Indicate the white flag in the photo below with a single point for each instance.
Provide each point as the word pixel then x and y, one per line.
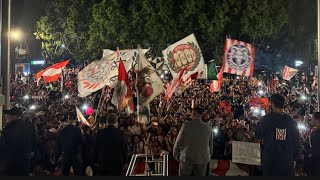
pixel 184 54
pixel 149 84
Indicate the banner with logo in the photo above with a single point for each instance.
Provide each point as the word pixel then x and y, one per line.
pixel 103 72
pixel 184 54
pixel 246 153
pixel 260 102
pixel 238 58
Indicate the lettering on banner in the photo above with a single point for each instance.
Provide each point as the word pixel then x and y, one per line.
pixel 246 153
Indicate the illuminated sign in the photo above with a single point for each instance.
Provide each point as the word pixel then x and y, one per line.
pixel 39 62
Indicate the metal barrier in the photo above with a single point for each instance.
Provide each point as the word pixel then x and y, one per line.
pixel 154 165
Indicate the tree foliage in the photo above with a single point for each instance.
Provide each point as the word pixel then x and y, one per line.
pixel 88 26
pixel 64 28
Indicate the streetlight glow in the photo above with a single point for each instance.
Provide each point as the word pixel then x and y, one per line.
pixel 16 34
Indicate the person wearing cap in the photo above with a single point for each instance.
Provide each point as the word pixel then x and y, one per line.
pixel 193 146
pixel 69 143
pixel 280 136
pixel 111 149
pixel 20 138
pixel 315 146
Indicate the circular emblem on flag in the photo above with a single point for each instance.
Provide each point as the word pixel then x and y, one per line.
pixel 239 57
pixel 184 55
pixel 96 73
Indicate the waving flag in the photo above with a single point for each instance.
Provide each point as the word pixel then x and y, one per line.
pixel 174 84
pixel 238 58
pixel 52 73
pixel 184 54
pixel 216 85
pixel 212 71
pixel 104 72
pixel 289 72
pixel 123 94
pixel 149 84
pixel 186 83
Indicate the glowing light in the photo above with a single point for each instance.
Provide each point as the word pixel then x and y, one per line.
pixel 67 96
pixel 302 127
pixel 260 92
pixel 259 83
pixel 304 97
pixel 16 34
pixel 215 130
pixel 26 97
pixel 32 107
pixel 161 76
pixel 166 72
pixel 85 106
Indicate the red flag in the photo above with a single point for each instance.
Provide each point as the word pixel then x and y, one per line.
pixel 174 84
pixel 238 58
pixel 215 86
pixel 52 73
pixel 288 73
pixel 123 94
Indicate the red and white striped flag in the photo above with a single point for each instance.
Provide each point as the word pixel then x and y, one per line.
pixel 186 82
pixel 289 72
pixel 52 73
pixel 238 58
pixel 174 84
pixel 215 86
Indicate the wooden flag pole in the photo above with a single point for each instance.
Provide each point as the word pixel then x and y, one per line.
pixel 98 108
pixel 136 85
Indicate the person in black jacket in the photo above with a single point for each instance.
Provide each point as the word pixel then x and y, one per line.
pixel 70 142
pixel 281 140
pixel 88 149
pixel 315 146
pixel 20 139
pixel 111 148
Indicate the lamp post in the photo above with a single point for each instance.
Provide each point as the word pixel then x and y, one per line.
pixel 318 53
pixel 5 20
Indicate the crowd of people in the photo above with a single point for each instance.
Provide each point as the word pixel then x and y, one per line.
pixel 50 111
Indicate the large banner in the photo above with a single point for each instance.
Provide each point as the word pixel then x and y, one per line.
pixel 103 72
pixel 185 53
pixel 238 58
pixel 260 102
pixel 246 153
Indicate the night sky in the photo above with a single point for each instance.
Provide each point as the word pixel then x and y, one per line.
pixel 24 16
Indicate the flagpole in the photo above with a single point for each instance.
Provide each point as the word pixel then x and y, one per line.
pixel 61 83
pixel 98 108
pixel 136 85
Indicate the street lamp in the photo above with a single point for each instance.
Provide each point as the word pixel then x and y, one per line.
pixel 16 34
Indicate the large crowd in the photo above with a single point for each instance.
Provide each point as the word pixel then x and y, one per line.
pixel 48 107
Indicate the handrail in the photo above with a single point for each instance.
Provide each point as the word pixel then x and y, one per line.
pixel 162 161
